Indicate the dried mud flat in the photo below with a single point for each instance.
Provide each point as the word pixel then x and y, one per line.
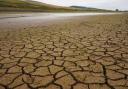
pixel 77 54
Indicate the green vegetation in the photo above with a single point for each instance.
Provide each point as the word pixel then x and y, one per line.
pixel 88 8
pixel 29 5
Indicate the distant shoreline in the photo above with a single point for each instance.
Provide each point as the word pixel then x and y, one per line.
pixel 26 20
pixel 32 14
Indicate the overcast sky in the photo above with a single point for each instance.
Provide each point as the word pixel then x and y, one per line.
pixel 105 4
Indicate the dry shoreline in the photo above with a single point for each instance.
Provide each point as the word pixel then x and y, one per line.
pixel 85 52
pixel 26 20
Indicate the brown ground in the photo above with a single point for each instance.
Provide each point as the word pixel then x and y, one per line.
pixel 76 54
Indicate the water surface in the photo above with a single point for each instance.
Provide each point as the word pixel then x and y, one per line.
pixel 36 19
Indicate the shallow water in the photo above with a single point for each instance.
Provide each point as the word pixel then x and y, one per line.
pixel 37 19
pixel 49 15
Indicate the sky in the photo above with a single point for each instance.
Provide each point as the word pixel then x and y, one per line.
pixel 103 4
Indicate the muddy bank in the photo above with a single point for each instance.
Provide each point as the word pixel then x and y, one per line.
pixel 24 20
pixel 76 53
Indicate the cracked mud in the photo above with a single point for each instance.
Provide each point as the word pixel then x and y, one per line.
pixel 82 54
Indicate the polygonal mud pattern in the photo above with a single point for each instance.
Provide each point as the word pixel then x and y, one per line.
pixel 77 55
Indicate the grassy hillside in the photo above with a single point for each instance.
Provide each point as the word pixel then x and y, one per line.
pixel 88 8
pixel 29 5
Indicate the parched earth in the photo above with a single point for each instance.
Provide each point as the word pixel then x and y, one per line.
pixel 78 54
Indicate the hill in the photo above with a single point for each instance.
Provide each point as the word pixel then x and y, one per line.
pixel 30 5
pixel 82 8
